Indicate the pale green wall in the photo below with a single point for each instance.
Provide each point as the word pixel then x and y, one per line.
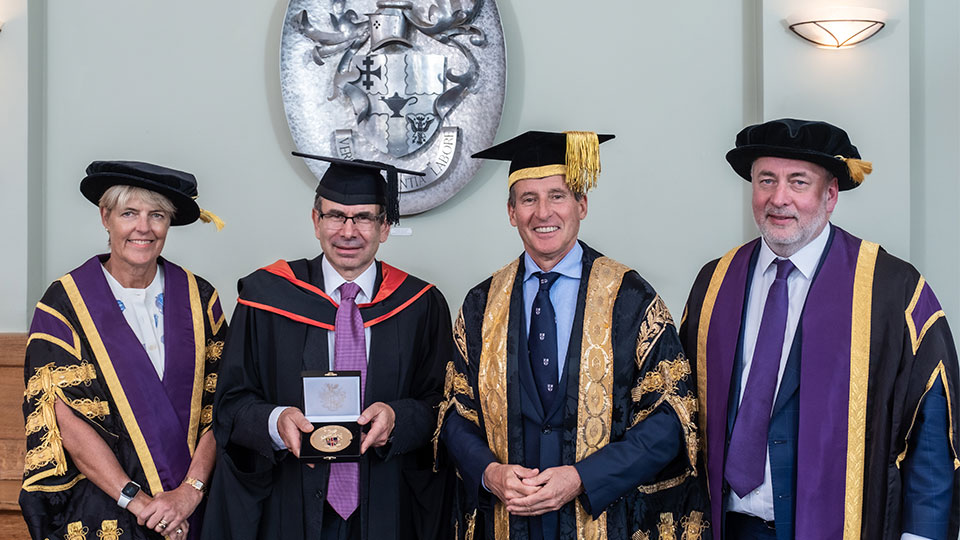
pixel 195 85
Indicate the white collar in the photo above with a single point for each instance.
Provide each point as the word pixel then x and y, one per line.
pixel 805 260
pixel 332 280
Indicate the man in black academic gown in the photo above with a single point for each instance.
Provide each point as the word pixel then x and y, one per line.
pixel 827 369
pixel 569 409
pixel 292 317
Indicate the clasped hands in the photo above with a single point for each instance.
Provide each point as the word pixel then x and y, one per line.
pixel 379 415
pixel 169 509
pixel 529 492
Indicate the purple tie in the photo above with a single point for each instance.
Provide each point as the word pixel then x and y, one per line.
pixel 349 354
pixel 747 453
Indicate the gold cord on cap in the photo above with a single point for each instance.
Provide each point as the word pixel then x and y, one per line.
pixel 859 169
pixel 207 216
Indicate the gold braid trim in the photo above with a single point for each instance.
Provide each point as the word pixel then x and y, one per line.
pixel 595 398
pixel 667 527
pixel 91 408
pixel 655 320
pixel 471 525
pixel 663 379
pixel 46 377
pixel 45 386
pixel 492 377
pixel 109 530
pixel 460 337
pixel 640 535
pixel 450 393
pixel 206 414
pixel 214 350
pixel 35 421
pixel 210 383
pixel 666 484
pixel 693 526
pixel 76 531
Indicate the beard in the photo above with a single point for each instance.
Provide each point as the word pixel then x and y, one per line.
pixel 787 240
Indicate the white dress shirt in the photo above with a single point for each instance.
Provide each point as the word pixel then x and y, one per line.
pixel 143 311
pixel 759 502
pixel 332 280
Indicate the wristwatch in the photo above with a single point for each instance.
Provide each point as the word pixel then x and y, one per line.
pixel 127 494
pixel 195 484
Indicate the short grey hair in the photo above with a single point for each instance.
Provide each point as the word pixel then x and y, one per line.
pixel 121 194
pixel 512 197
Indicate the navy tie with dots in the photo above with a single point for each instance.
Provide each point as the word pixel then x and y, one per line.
pixel 542 341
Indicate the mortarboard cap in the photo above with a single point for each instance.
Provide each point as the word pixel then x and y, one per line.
pixel 537 154
pixel 361 182
pixel 816 142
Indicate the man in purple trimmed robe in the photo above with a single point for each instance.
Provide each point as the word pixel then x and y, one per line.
pixel 827 372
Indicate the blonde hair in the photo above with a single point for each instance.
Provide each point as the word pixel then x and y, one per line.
pixel 120 195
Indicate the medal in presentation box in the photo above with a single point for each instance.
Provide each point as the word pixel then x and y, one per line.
pixel 331 402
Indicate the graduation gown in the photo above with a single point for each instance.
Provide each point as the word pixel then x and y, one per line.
pixel 82 351
pixel 279 330
pixel 873 342
pixel 627 422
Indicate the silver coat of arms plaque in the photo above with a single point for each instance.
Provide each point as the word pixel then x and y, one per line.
pixel 418 84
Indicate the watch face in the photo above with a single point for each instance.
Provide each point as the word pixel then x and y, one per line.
pixel 130 490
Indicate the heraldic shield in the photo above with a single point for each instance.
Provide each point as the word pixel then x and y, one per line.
pixel 401 93
pixel 415 83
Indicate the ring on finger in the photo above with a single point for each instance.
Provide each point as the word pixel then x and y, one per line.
pixel 179 530
pixel 163 524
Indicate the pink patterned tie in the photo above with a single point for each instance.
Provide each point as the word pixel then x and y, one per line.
pixel 349 354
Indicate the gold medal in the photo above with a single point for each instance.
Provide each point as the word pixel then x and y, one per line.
pixel 331 438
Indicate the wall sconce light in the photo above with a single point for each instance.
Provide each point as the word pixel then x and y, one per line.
pixel 837 27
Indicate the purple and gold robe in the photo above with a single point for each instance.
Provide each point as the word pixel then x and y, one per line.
pixel 874 341
pixel 82 351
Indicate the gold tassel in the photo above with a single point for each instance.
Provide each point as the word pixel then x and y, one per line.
pixel 859 169
pixel 207 216
pixel 583 160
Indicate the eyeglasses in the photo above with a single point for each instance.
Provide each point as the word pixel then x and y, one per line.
pixel 363 221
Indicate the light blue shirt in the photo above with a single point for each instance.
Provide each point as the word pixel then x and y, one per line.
pixel 563 296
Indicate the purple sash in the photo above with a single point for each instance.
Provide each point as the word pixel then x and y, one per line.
pixel 160 410
pixel 824 385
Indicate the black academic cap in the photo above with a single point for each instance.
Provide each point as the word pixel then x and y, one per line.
pixel 361 182
pixel 537 154
pixel 807 140
pixel 177 186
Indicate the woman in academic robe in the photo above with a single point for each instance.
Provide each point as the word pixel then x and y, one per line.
pixel 121 368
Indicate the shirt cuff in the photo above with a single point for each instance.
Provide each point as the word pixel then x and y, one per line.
pixel 909 536
pixel 275 439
